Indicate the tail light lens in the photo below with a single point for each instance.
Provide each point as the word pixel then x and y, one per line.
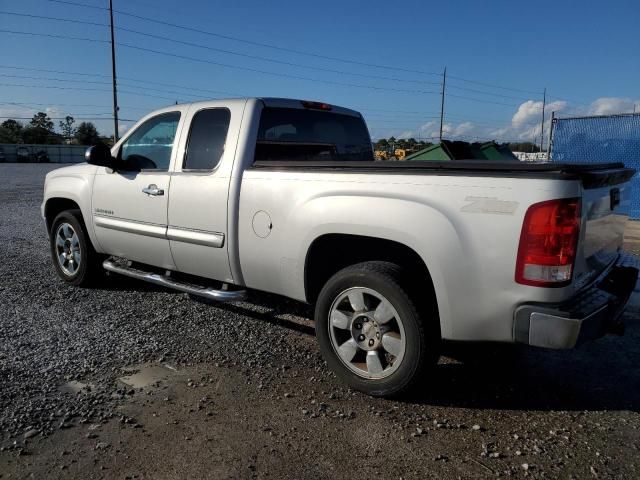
pixel 548 243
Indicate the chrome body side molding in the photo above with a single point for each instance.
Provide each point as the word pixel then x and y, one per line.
pixel 178 234
pixel 198 237
pixel 139 228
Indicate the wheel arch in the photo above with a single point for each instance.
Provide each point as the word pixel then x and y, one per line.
pixel 56 205
pixel 332 252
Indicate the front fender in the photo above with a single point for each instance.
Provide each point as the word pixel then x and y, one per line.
pixel 75 186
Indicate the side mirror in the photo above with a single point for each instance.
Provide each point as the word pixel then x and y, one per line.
pixel 100 155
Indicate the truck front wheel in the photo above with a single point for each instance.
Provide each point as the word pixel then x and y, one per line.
pixel 370 330
pixel 74 258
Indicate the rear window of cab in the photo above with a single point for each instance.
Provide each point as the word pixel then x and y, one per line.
pixel 296 134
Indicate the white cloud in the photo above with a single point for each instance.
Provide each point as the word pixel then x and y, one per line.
pixel 524 124
pixel 612 105
pixel 123 128
pixel 531 111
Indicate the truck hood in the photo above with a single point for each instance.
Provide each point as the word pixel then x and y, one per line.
pixel 72 170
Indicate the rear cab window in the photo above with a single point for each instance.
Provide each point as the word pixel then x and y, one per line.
pixel 302 134
pixel 207 138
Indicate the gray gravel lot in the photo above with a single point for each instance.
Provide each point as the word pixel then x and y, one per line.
pixel 132 381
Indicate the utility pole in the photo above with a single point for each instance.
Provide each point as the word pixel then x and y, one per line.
pixel 544 102
pixel 113 76
pixel 551 125
pixel 444 83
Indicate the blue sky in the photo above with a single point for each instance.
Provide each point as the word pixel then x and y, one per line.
pixel 584 52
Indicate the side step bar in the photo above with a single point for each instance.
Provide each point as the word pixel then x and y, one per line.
pixel 166 281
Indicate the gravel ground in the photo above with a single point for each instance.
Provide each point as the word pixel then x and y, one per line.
pixel 132 381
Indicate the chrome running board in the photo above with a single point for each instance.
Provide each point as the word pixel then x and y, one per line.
pixel 166 281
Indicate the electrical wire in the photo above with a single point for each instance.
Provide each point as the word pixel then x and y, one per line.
pixel 250 42
pixel 225 65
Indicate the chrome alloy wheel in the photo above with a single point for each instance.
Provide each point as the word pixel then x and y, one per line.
pixel 366 333
pixel 68 249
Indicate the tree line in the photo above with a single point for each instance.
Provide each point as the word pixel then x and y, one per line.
pixel 41 130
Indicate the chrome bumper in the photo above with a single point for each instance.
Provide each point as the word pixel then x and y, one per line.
pixel 592 313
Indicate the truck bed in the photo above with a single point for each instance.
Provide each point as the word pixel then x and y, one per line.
pixel 591 174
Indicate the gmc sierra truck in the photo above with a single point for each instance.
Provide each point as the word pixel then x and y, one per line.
pixel 214 198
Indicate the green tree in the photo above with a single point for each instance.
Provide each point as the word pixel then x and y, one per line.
pixel 40 130
pixel 67 128
pixel 87 134
pixel 42 120
pixel 11 131
pixel 382 144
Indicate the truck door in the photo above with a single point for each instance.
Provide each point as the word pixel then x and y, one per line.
pixel 129 206
pixel 197 221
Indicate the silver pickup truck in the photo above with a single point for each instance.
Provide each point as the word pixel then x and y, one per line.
pixel 216 197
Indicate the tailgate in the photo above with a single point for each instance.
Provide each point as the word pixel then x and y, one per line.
pixel 605 209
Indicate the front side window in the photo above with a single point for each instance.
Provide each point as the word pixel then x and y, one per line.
pixel 149 146
pixel 297 134
pixel 207 137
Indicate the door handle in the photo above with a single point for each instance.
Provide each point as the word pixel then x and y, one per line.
pixel 153 190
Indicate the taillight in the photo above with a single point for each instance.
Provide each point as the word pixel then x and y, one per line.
pixel 548 243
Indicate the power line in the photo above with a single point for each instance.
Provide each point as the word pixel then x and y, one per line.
pixel 64 118
pixel 482 100
pixel 280 62
pixel 229 52
pixel 250 42
pixel 284 75
pixel 54 79
pixel 145 82
pixel 237 67
pixel 488 93
pixel 50 35
pixel 101 83
pixel 58 19
pixel 57 87
pixel 300 52
pixel 491 85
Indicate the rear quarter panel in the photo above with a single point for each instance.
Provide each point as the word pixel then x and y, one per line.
pixel 466 230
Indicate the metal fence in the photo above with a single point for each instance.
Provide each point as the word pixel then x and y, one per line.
pixel 10 152
pixel 597 139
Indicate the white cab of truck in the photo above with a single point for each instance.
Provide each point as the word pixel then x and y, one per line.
pixel 220 197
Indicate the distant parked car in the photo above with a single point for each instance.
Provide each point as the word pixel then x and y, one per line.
pixel 41 156
pixel 2 157
pixel 22 154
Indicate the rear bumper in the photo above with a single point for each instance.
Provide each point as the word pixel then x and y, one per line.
pixel 592 313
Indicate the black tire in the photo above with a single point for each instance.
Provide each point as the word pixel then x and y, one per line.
pixel 89 271
pixel 422 331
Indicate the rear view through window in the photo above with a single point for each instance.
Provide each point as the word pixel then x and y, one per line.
pixel 294 134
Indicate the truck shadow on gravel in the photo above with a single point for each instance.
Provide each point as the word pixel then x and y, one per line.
pixel 271 309
pixel 602 375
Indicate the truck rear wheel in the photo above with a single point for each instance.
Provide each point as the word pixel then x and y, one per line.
pixel 74 258
pixel 370 330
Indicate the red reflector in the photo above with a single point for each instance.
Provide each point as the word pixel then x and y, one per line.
pixel 548 243
pixel 316 105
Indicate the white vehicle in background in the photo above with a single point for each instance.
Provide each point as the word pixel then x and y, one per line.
pixel 217 197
